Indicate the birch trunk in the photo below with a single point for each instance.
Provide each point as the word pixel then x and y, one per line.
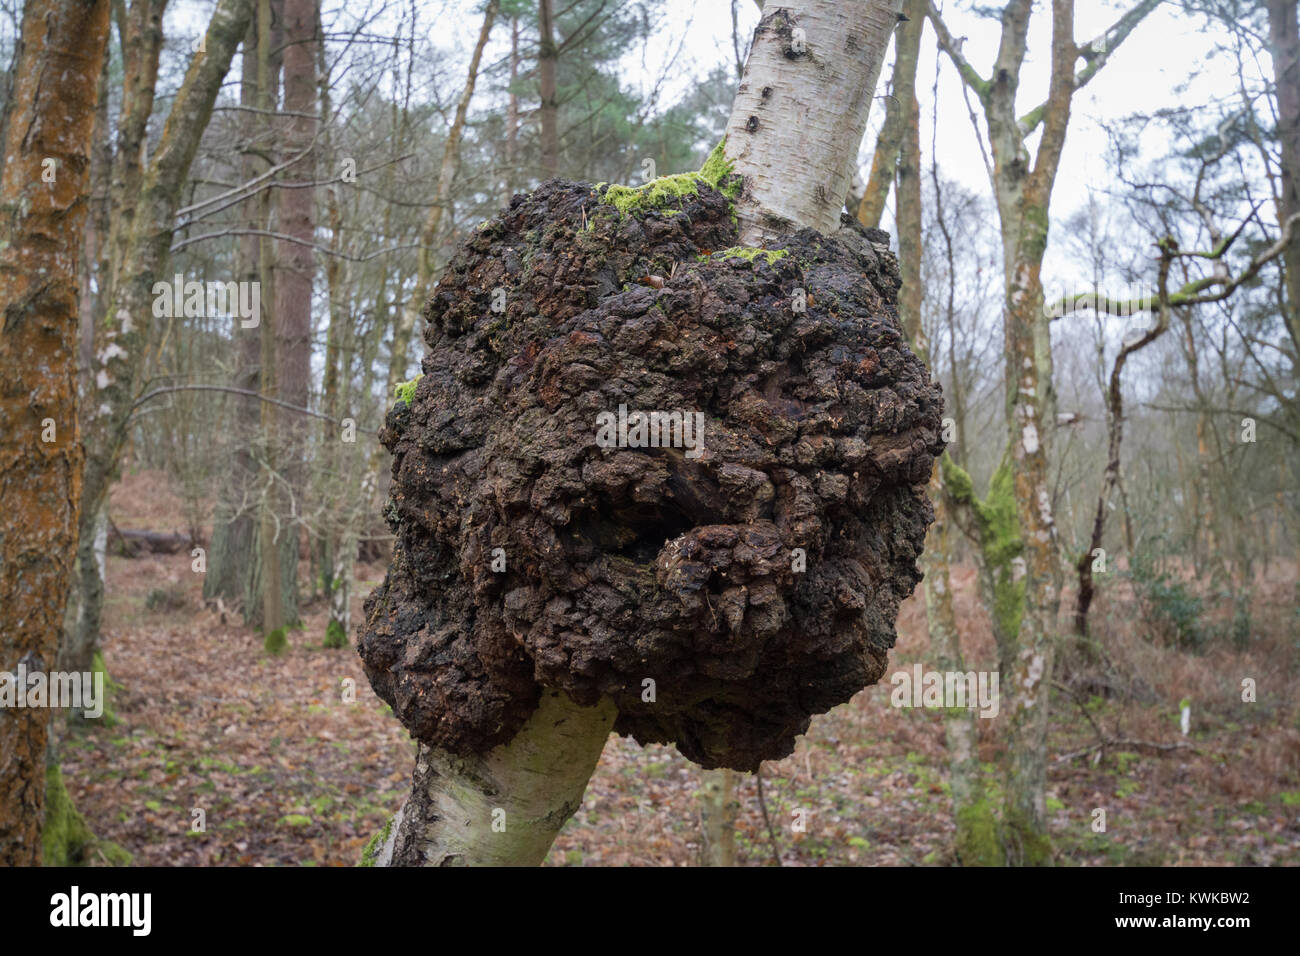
pixel 801 111
pixel 503 808
pixel 717 796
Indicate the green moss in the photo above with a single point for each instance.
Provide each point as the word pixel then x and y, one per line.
pixel 335 635
pixel 276 642
pixel 977 836
pixel 371 851
pixel 1000 540
pixel 1002 545
pixel 667 192
pixel 108 718
pixel 956 480
pixel 65 837
pixel 750 253
pixel 720 173
pixel 406 390
pixel 1026 841
pixel 656 194
pixel 66 840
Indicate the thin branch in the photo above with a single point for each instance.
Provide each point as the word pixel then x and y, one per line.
pixel 762 805
pixel 246 392
pixel 324 250
pixel 970 76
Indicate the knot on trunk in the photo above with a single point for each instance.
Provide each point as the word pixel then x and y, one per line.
pixel 687 477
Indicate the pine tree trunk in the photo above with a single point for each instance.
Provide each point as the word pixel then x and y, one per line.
pixel 48 133
pixel 230 555
pixel 548 113
pixel 295 266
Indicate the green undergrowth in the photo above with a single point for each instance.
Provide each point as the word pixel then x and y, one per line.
pixel 276 642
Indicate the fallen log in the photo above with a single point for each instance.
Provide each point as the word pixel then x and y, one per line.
pixel 129 543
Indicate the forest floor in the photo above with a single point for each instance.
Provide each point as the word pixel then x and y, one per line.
pixel 288 772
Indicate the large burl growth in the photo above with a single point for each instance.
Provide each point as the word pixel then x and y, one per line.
pixel 756 584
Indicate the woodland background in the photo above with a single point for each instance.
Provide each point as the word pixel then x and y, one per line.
pixel 226 541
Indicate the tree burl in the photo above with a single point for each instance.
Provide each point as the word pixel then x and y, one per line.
pixel 755 583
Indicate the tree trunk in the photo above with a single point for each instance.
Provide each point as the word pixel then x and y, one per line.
pixel 541 773
pixel 1284 43
pixel 977 842
pixel 51 119
pixel 123 332
pixel 817 60
pixel 977 839
pixel 295 270
pixel 232 525
pixel 884 161
pixel 140 29
pixel 717 798
pixel 506 807
pixel 548 113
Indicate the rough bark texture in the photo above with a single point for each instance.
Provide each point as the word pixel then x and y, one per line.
pixel 295 271
pixel 57 68
pixel 631 564
pixel 801 110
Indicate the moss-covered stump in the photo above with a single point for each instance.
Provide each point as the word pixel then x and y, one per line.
pixel 66 840
pixel 276 642
pixel 719 592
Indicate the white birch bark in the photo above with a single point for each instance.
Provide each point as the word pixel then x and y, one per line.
pixel 801 111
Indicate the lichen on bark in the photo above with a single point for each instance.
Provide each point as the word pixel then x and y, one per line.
pixel 748 588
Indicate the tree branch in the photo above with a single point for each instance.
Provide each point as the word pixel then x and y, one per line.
pixel 241 391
